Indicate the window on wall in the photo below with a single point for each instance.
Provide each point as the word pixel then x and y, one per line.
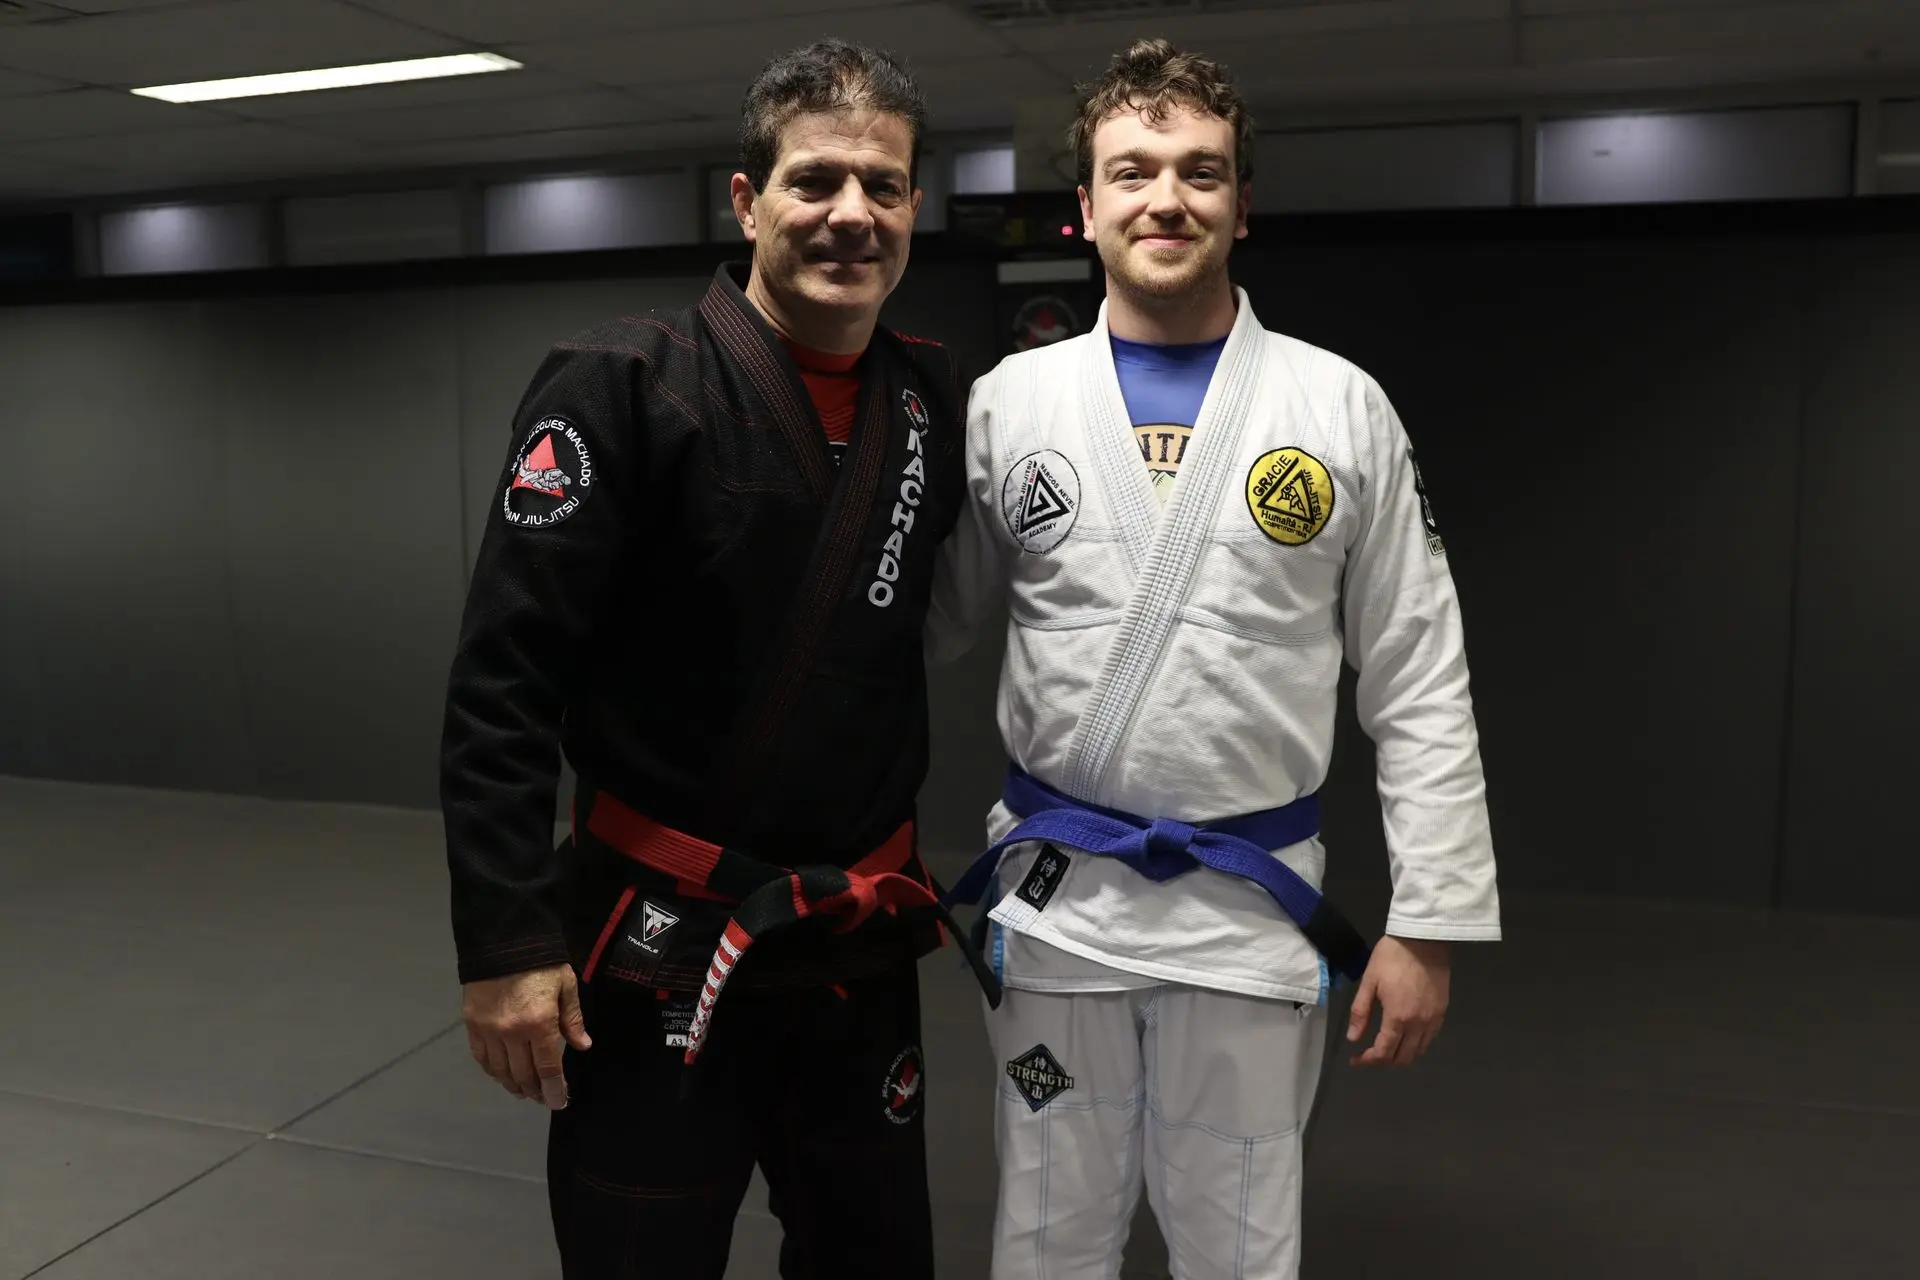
pixel 1467 165
pixel 163 239
pixel 1758 154
pixel 1899 158
pixel 569 214
pixel 983 171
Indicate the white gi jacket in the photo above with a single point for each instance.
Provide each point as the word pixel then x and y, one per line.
pixel 1185 663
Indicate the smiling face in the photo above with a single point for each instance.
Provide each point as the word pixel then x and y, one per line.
pixel 832 226
pixel 1162 205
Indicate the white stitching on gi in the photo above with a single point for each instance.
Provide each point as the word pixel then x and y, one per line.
pixel 1246 1196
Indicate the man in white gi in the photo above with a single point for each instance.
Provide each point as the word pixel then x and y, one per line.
pixel 1193 522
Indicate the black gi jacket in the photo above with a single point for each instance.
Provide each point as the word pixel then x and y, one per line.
pixel 678 588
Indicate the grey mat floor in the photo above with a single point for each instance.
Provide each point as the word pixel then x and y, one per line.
pixel 229 1047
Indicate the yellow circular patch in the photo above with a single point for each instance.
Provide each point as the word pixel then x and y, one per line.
pixel 1290 493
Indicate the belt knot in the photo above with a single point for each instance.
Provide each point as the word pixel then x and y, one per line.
pixel 1168 838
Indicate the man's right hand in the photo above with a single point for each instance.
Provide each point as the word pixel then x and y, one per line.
pixel 515 1027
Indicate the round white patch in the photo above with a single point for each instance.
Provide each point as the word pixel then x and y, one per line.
pixel 1040 498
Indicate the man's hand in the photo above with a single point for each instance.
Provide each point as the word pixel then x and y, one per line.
pixel 515 1026
pixel 1409 977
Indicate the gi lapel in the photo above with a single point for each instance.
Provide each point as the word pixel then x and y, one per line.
pixel 1116 458
pixel 752 342
pixel 849 500
pixel 1165 551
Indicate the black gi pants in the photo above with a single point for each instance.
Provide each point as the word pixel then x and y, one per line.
pixel 823 1088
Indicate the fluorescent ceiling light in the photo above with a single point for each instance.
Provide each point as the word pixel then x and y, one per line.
pixel 459 64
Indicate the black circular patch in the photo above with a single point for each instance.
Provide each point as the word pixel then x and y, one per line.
pixel 905 1092
pixel 552 476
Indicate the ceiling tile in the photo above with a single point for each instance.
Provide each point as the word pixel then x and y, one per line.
pixel 1838 26
pixel 78 112
pixel 631 144
pixel 694 55
pixel 213 41
pixel 1359 53
pixel 598 107
pixel 18 83
pixel 968 88
pixel 30 177
pixel 92 7
pixel 496 21
pixel 1531 8
pixel 715 99
pixel 1007 77
pixel 188 149
pixel 1249 34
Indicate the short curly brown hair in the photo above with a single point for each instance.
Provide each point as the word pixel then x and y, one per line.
pixel 1153 77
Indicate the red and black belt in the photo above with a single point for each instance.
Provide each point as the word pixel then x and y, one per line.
pixel 767 897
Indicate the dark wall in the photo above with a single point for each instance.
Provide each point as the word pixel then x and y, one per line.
pixel 242 523
pixel 1671 472
pixel 1608 433
pixel 1855 698
pixel 1670 463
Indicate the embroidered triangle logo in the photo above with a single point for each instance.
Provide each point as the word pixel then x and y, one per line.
pixel 657 922
pixel 541 471
pixel 1043 502
pixel 1290 496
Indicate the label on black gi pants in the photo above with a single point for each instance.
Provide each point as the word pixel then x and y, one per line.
pixel 643 940
pixel 676 1018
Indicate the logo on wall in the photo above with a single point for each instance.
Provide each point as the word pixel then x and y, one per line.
pixel 1039 499
pixel 1043 321
pixel 1290 493
pixel 552 476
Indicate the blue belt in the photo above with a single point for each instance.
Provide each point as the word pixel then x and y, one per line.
pixel 1162 849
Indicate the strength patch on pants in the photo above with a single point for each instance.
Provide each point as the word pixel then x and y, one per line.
pixel 1039 1076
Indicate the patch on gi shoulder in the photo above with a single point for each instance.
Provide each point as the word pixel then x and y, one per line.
pixel 1044 878
pixel 1290 493
pixel 1040 498
pixel 905 1092
pixel 916 411
pixel 552 476
pixel 1039 1076
pixel 1434 545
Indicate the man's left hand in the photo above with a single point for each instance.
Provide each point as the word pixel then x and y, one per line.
pixel 1409 977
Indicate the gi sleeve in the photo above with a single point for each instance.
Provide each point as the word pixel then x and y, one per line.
pixel 1405 639
pixel 970 579
pixel 553 546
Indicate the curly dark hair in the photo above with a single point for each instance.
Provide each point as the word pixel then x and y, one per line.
pixel 1153 77
pixel 828 75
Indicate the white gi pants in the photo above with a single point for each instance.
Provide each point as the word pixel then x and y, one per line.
pixel 1202 1096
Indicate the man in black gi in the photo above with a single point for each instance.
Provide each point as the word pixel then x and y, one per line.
pixel 704 576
